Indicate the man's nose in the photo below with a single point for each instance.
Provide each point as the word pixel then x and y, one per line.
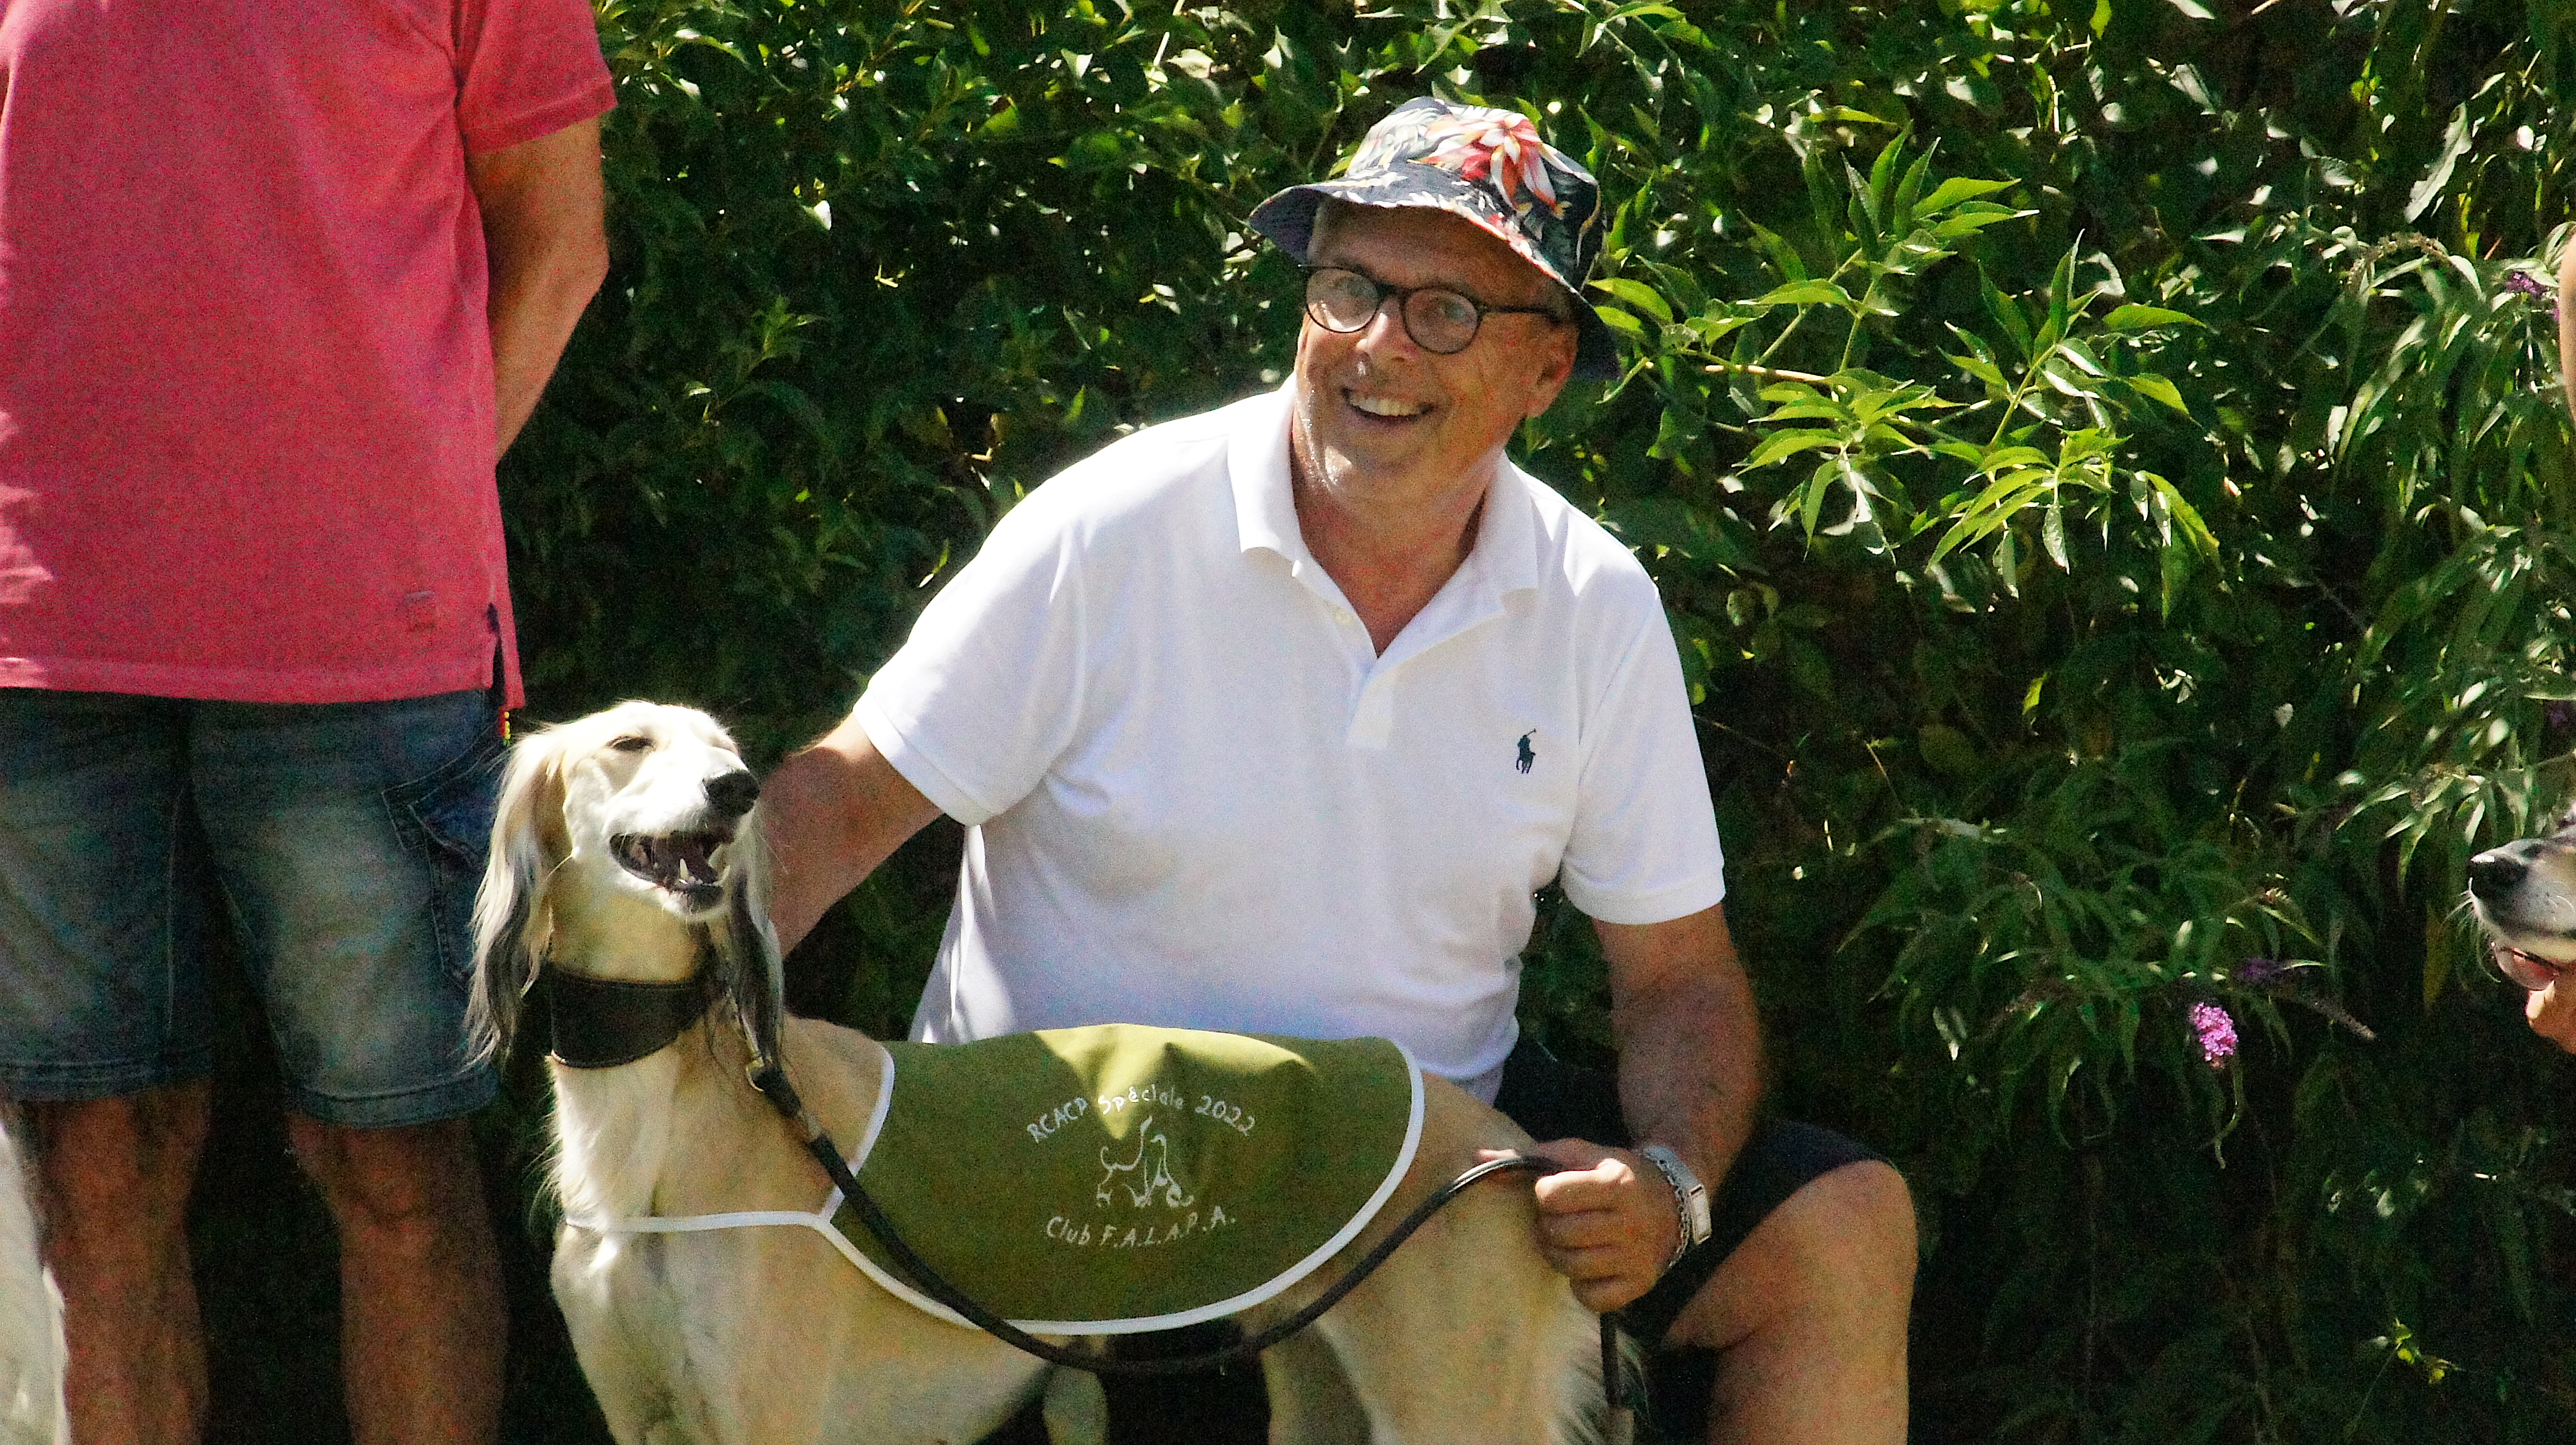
pixel 1387 327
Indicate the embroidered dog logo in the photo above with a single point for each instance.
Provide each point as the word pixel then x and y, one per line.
pixel 1528 759
pixel 1148 1174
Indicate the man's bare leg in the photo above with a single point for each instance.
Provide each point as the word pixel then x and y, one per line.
pixel 1809 1315
pixel 422 1321
pixel 113 1177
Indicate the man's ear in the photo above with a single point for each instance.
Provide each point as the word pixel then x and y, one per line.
pixel 1555 363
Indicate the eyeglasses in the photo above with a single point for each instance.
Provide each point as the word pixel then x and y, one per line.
pixel 1440 321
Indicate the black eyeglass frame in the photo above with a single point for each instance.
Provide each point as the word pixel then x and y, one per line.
pixel 1404 308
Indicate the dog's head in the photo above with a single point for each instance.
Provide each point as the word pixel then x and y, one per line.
pixel 2524 896
pixel 626 824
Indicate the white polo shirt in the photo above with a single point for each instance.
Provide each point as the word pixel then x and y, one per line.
pixel 1198 797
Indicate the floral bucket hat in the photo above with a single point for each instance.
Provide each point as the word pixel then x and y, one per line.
pixel 1488 166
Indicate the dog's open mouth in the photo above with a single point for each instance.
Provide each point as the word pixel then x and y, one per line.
pixel 683 863
pixel 2527 970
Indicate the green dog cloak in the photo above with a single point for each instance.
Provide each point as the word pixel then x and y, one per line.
pixel 1118 1178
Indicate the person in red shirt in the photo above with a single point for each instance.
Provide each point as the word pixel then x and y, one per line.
pixel 277 285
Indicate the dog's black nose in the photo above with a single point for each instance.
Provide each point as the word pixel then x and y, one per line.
pixel 733 794
pixel 2493 874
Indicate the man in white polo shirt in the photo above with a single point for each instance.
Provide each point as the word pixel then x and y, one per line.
pixel 1276 718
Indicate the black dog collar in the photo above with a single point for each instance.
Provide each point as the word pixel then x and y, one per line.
pixel 600 1023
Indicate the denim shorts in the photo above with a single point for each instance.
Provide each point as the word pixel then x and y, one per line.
pixel 344 841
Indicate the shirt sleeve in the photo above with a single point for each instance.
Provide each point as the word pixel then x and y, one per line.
pixel 1644 847
pixel 981 699
pixel 526 68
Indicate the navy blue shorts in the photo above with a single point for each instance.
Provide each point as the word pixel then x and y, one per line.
pixel 344 841
pixel 1552 1100
pixel 1557 1100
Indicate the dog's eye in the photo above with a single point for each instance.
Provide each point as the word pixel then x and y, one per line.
pixel 633 743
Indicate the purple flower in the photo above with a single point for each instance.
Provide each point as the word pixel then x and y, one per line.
pixel 2259 972
pixel 2216 1033
pixel 2526 284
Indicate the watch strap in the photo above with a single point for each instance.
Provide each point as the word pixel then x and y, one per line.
pixel 1690 1198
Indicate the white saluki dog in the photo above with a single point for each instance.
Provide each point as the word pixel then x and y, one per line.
pixel 31 1319
pixel 2524 896
pixel 625 849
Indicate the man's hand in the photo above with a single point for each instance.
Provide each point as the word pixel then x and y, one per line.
pixel 2552 1012
pixel 1605 1222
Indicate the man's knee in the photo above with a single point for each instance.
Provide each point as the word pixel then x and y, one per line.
pixel 131 1157
pixel 415 1182
pixel 1860 1221
pixel 1838 1255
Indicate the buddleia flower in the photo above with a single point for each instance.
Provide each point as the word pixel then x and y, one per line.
pixel 2215 1031
pixel 2523 283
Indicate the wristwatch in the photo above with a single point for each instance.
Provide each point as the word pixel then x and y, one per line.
pixel 1690 1198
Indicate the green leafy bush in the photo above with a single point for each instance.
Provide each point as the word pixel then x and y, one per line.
pixel 2109 486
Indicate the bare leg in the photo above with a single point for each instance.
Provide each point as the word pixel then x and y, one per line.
pixel 1808 1316
pixel 422 1323
pixel 114 1176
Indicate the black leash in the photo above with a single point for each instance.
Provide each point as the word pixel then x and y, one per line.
pixel 771 1081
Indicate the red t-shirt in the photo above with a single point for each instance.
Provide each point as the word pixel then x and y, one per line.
pixel 246 430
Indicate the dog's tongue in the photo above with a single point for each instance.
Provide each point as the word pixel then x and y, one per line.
pixel 2528 970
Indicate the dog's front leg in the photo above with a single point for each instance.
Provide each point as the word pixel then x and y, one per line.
pixel 1310 1397
pixel 604 1290
pixel 1076 1409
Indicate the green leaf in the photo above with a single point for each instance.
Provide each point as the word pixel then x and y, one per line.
pixel 1809 293
pixel 1618 320
pixel 2134 317
pixel 1947 750
pixel 2007 313
pixel 1789 443
pixel 1637 294
pixel 2161 389
pixel 1961 188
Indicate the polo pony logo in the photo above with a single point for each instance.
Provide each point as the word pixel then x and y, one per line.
pixel 1147 1175
pixel 1528 759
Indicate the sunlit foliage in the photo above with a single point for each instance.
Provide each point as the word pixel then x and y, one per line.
pixel 2110 488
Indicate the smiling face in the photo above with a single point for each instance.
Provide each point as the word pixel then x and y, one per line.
pixel 653 800
pixel 1377 416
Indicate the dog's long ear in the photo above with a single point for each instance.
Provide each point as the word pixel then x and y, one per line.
pixel 755 978
pixel 512 924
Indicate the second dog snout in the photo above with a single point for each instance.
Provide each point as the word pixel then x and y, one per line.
pixel 2494 873
pixel 733 793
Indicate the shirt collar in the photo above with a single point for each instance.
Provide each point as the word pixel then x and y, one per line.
pixel 1265 504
